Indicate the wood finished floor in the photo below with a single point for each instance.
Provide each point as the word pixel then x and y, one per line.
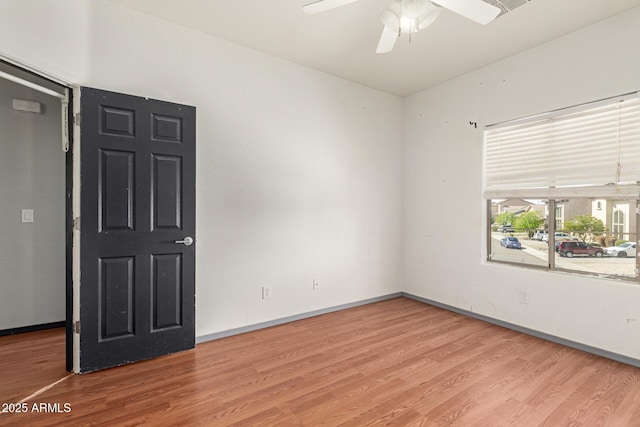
pixel 398 362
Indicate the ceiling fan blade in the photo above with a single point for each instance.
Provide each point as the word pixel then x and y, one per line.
pixel 322 5
pixel 476 10
pixel 387 40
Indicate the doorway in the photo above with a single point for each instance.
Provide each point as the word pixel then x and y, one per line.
pixel 35 213
pixel 138 227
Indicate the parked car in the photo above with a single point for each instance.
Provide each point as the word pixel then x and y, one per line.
pixel 570 248
pixel 539 234
pixel 510 242
pixel 623 250
pixel 558 236
pixel 557 244
pixel 506 228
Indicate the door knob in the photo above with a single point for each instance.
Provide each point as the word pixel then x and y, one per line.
pixel 188 241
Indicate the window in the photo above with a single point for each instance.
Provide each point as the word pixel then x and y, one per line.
pixel 559 217
pixel 618 223
pixel 562 189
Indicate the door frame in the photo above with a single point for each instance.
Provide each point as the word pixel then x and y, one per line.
pixel 72 215
pixel 72 181
pixel 68 244
pixel 73 249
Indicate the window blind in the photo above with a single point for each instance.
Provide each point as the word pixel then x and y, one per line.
pixel 589 150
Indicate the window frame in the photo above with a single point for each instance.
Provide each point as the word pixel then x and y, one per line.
pixel 528 158
pixel 551 264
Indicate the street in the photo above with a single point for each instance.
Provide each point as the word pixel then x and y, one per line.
pixel 535 252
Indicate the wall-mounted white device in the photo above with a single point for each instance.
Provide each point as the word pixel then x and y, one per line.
pixel 28 106
pixel 27 215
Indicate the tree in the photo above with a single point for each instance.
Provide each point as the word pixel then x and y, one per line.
pixel 585 226
pixel 505 218
pixel 529 221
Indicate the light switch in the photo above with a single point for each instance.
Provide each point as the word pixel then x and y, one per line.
pixel 27 215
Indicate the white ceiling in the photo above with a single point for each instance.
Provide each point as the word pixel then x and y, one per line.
pixel 342 41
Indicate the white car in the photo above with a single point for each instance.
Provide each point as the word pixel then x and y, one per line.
pixel 624 250
pixel 539 234
pixel 558 236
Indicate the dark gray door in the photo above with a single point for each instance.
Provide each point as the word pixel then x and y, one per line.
pixel 137 291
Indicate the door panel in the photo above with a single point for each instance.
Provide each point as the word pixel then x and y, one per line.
pixel 116 293
pixel 137 291
pixel 115 186
pixel 167 204
pixel 166 300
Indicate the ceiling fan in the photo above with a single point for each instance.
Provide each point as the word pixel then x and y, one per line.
pixel 410 16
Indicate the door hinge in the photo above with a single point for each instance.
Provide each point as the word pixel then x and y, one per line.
pixel 76 327
pixel 76 223
pixel 76 119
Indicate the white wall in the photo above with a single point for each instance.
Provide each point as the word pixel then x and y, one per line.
pixel 32 176
pixel 298 172
pixel 48 36
pixel 444 211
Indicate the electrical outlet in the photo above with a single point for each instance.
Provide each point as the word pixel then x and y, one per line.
pixel 524 297
pixel 316 285
pixel 266 292
pixel 27 215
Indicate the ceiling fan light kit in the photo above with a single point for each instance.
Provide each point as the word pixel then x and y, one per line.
pixel 410 16
pixel 405 17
